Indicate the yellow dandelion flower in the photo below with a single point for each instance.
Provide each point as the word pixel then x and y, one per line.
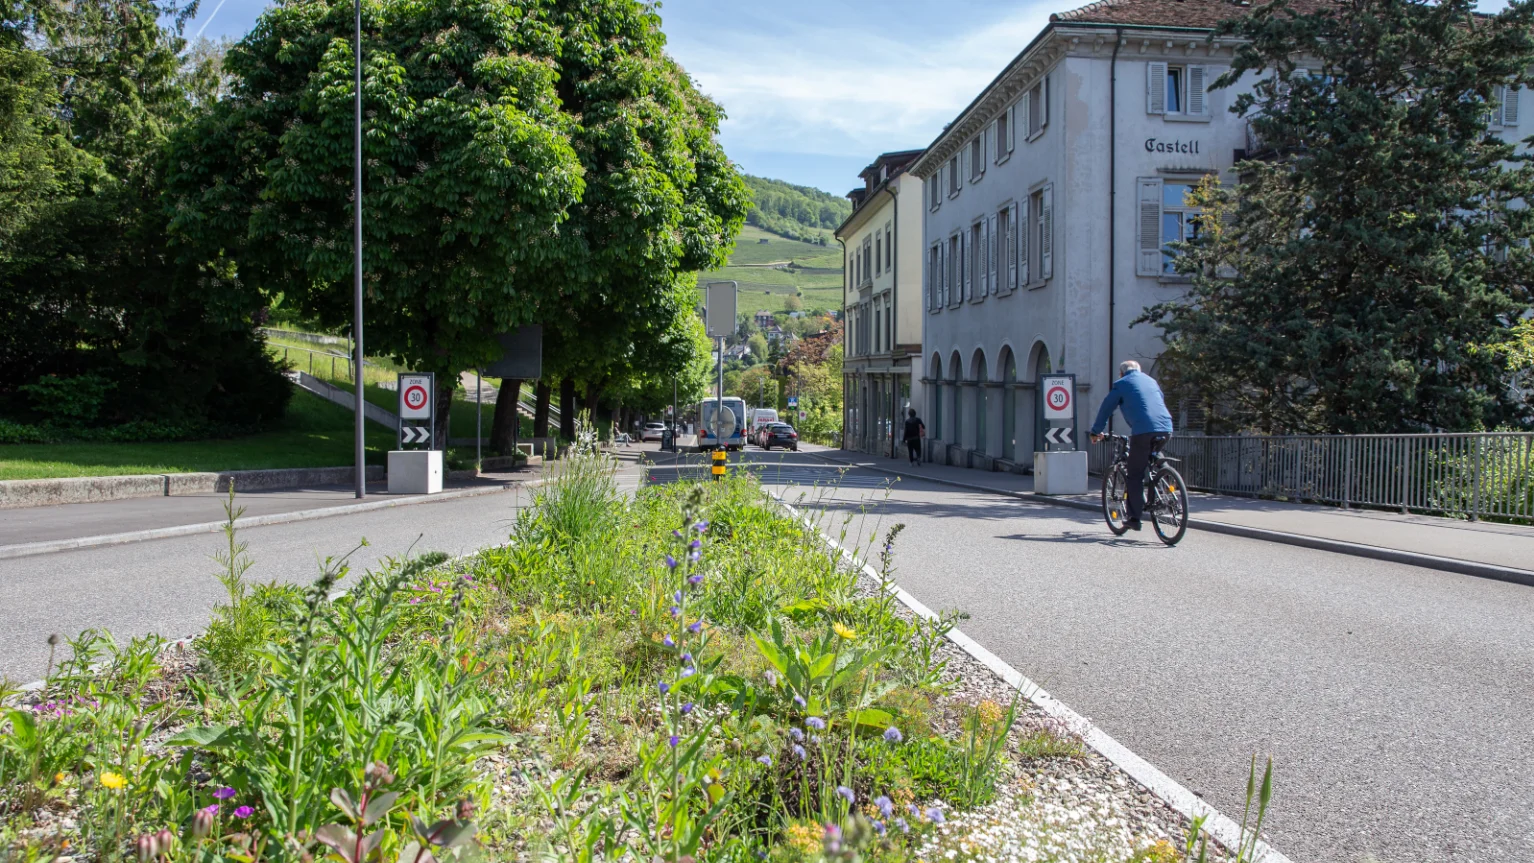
pixel 58 778
pixel 844 631
pixel 114 781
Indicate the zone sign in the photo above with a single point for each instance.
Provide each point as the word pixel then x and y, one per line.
pixel 415 396
pixel 1059 400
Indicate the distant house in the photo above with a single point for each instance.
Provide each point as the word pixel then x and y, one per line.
pixel 763 319
pixel 763 241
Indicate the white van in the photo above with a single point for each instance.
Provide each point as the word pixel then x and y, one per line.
pixel 761 417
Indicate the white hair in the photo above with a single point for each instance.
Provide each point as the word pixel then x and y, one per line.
pixel 1128 366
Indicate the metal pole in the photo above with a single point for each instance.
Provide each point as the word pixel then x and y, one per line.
pixel 479 418
pixel 357 242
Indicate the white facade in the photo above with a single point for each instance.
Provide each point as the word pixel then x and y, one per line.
pixel 1047 206
pixel 882 304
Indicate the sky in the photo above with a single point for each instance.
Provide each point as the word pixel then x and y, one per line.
pixel 815 89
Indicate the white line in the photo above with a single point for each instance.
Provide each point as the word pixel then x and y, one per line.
pixel 1167 789
pixel 210 19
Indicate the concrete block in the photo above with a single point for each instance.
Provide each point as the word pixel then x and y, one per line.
pixel 16 493
pixel 415 471
pixel 1060 472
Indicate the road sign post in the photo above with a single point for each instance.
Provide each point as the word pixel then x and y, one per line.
pixel 416 471
pixel 1059 467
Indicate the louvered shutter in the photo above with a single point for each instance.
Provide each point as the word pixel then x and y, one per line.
pixel 1148 237
pixel 1155 88
pixel 1198 103
pixel 942 274
pixel 992 241
pixel 967 283
pixel 1012 129
pixel 1023 108
pixel 1024 230
pixel 1044 103
pixel 1510 106
pixel 1011 248
pixel 1047 232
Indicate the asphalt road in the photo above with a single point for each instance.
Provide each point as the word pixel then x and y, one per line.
pixel 1395 701
pixel 168 586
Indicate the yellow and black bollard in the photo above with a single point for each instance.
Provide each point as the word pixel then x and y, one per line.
pixel 719 457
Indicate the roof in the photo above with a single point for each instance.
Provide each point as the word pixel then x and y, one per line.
pixel 1201 14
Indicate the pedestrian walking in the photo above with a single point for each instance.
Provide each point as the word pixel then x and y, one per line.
pixel 915 430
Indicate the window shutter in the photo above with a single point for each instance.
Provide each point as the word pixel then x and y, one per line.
pixel 1023 107
pixel 1024 229
pixel 1510 106
pixel 1197 102
pixel 1155 88
pixel 1044 106
pixel 1011 251
pixel 1148 247
pixel 967 283
pixel 1012 129
pixel 1047 232
pixel 990 249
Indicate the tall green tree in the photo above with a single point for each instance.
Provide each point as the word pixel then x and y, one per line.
pixel 1346 283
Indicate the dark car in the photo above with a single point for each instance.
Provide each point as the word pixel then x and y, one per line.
pixel 780 435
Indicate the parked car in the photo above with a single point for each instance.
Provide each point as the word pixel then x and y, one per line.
pixel 779 435
pixel 653 431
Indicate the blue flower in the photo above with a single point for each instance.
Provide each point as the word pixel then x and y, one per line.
pixel 670 562
pixel 904 827
pixel 799 700
pixel 694 555
pixel 879 827
pixel 695 627
pixel 798 751
pixel 668 642
pixel 816 723
pixel 764 760
pixel 936 815
pixel 695 580
pixel 674 741
pixel 886 808
pixel 687 672
pixel 677 534
pixel 687 658
pixel 675 612
pixel 695 544
pixel 893 735
pixel 664 687
pixel 815 739
pixel 676 597
pixel 687 708
pixel 701 526
pixel 846 794
pixel 796 734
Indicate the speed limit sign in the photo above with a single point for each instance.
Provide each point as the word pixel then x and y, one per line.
pixel 415 396
pixel 1059 400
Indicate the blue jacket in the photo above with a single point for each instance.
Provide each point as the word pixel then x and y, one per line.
pixel 1139 396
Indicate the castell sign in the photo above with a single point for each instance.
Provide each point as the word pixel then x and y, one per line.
pixel 1153 145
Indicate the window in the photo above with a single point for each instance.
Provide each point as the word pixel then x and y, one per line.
pixel 934 275
pixel 1505 112
pixel 1040 230
pixel 1176 90
pixel 889 248
pixel 1006 238
pixel 878 256
pixel 977 259
pixel 954 292
pixel 1165 217
pixel 977 158
pixel 868 253
pixel 953 176
pixel 1035 108
pixel 1003 136
pixel 935 190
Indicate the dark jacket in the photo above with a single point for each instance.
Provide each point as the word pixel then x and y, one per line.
pixel 1139 396
pixel 913 427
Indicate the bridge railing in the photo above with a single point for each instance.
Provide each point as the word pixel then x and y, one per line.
pixel 1473 475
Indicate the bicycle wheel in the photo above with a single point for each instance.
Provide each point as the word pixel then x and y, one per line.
pixel 1115 499
pixel 1169 507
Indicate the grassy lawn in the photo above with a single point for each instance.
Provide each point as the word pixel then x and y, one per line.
pixel 315 433
pixel 763 287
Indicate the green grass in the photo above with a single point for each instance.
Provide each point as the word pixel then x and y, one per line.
pixel 314 433
pixel 765 287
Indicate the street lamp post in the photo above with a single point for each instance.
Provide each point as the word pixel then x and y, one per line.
pixel 360 418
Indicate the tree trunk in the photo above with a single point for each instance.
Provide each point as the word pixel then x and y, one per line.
pixel 503 429
pixel 447 385
pixel 567 409
pixel 542 395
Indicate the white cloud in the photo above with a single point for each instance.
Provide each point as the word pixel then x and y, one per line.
pixel 851 91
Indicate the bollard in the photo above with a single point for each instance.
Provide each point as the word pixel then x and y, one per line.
pixel 719 461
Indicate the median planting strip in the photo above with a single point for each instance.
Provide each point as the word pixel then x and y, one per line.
pixel 685 674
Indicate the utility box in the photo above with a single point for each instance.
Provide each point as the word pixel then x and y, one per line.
pixel 1059 472
pixel 416 471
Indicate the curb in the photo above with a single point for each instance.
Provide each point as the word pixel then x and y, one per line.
pixel 1165 788
pixel 27 493
pixel 1336 546
pixel 11 552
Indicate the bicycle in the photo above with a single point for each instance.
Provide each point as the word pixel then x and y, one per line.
pixel 1166 498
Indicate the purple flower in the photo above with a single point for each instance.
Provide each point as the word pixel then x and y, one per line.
pixel 904 827
pixel 687 658
pixel 664 687
pixel 772 679
pixel 224 793
pixel 816 723
pixel 846 794
pixel 677 534
pixel 701 526
pixel 914 810
pixel 936 815
pixel 695 627
pixel 670 562
pixel 878 827
pixel 798 751
pixel 244 812
pixel 764 760
pixel 886 808
pixel 687 672
pixel 668 642
pixel 687 708
pixel 815 739
pixel 796 734
pixel 415 601
pixel 694 556
pixel 677 597
pixel 675 612
pixel 695 544
pixel 694 580
pixel 799 700
pixel 674 741
pixel 211 809
pixel 893 735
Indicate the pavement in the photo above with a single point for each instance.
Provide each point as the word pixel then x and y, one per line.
pixel 1393 698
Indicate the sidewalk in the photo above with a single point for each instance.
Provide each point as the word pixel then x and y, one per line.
pixel 1507 549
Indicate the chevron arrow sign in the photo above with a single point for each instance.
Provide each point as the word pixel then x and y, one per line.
pixel 1061 435
pixel 415 434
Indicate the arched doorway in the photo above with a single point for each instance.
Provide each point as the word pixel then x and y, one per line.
pixel 1040 364
pixel 982 403
pixel 935 410
pixel 1009 448
pixel 955 366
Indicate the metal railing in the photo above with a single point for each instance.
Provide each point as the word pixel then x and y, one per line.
pixel 1478 475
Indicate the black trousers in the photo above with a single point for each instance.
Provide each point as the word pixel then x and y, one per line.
pixel 914 445
pixel 1140 448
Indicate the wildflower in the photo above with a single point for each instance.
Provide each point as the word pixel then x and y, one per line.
pixel 904 827
pixel 833 839
pixel 796 734
pixel 687 658
pixel 202 824
pixel 988 712
pixel 936 815
pixel 688 672
pixel 814 739
pixel 694 580
pixel 816 723
pixel 886 808
pixel 798 751
pixel 670 562
pixel 677 534
pixel 674 741
pixel 687 708
pixel 844 631
pixel 677 597
pixel 695 627
pixel 846 793
pixel 701 527
pixel 668 642
pixel 210 810
pixel 244 812
pixel 879 827
pixel 893 735
pixel 675 612
pixel 772 679
pixel 58 777
pixel 694 556
pixel 114 781
pixel 799 700
pixel 765 760
pixel 224 793
pixel 695 544
pixel 664 687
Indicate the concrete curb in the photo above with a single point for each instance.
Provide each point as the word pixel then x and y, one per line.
pixel 1336 546
pixel 10 552
pixel 22 493
pixel 1165 788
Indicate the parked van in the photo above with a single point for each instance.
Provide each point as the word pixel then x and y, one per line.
pixel 761 417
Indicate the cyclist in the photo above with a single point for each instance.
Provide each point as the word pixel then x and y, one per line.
pixel 1139 397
